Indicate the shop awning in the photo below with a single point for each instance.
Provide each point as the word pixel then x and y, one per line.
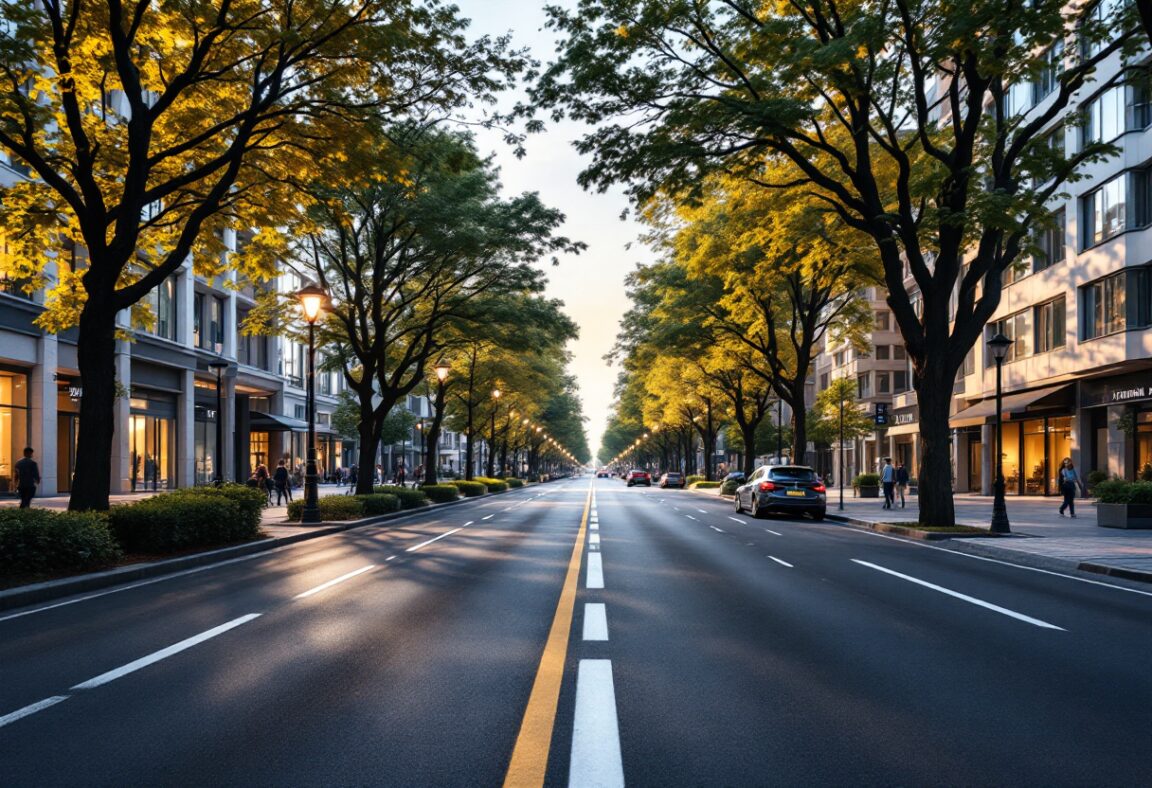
pixel 270 422
pixel 1013 405
pixel 903 429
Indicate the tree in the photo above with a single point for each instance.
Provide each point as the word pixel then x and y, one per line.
pixel 824 418
pixel 404 249
pixel 912 120
pixel 149 128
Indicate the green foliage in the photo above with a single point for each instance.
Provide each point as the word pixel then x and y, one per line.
pixel 493 485
pixel 693 479
pixel 38 542
pixel 249 501
pixel 441 493
pixel 1146 473
pixel 824 417
pixel 704 485
pixel 375 504
pixel 409 498
pixel 513 482
pixel 470 489
pixel 1122 491
pixel 1095 477
pixel 729 487
pixel 333 508
pixel 866 480
pixel 346 415
pixel 182 519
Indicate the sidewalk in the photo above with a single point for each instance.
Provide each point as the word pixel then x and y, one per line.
pixel 1039 535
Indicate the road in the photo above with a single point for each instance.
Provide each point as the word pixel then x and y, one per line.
pixel 583 633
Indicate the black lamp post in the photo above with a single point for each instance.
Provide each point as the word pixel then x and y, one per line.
pixel 780 431
pixel 218 367
pixel 312 299
pixel 432 466
pixel 998 346
pixel 492 444
pixel 840 474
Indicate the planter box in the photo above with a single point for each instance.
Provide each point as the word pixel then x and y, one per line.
pixel 868 491
pixel 1124 515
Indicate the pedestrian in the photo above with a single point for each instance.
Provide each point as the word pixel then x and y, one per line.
pixel 416 477
pixel 280 480
pixel 353 477
pixel 901 481
pixel 27 477
pixel 888 480
pixel 1069 482
pixel 400 475
pixel 262 480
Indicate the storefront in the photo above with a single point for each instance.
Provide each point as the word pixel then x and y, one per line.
pixel 14 425
pixel 151 426
pixel 68 393
pixel 1120 411
pixel 205 451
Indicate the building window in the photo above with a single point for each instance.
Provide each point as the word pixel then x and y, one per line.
pixel 216 324
pixel 1051 326
pixel 197 319
pixel 162 304
pixel 1049 77
pixel 293 360
pixel 1104 211
pixel 882 353
pixel 899 381
pixel 1104 304
pixel 838 358
pixel 882 320
pixel 823 381
pixel 882 383
pixel 864 385
pixel 1104 119
pixel 1015 327
pixel 969 362
pixel 1050 242
pixel 899 352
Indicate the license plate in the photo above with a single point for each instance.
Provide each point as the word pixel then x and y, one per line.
pixel 797 493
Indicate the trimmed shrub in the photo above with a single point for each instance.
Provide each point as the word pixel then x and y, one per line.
pixel 39 542
pixel 1095 477
pixel 470 489
pixel 690 480
pixel 493 485
pixel 729 487
pixel 1122 491
pixel 250 501
pixel 179 520
pixel 866 480
pixel 332 508
pixel 441 493
pixel 378 503
pixel 705 485
pixel 409 498
pixel 514 482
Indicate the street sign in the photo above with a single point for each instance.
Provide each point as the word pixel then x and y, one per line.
pixel 881 415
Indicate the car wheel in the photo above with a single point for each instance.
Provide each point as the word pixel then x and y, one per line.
pixel 739 508
pixel 818 516
pixel 756 507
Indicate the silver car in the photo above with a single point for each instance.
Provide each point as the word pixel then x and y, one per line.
pixel 784 489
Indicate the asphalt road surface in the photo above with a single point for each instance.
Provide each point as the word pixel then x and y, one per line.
pixel 583 633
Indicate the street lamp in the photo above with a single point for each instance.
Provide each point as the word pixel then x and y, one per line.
pixel 313 300
pixel 432 465
pixel 999 346
pixel 492 445
pixel 218 367
pixel 840 474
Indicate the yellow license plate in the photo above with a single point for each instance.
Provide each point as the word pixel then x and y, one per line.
pixel 799 493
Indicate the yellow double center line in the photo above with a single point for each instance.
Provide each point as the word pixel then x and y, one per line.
pixel 530 755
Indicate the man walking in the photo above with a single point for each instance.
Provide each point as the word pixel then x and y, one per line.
pixel 888 479
pixel 902 480
pixel 27 477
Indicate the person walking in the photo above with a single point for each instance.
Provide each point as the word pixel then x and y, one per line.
pixel 901 482
pixel 27 477
pixel 280 480
pixel 263 483
pixel 888 480
pixel 1069 484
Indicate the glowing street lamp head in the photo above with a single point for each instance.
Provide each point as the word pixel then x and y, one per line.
pixel 442 370
pixel 313 299
pixel 495 393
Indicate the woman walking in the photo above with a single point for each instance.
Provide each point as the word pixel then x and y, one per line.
pixel 1069 482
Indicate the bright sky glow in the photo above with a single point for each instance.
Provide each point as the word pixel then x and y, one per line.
pixel 592 284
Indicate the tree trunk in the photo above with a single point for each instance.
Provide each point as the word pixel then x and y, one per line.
pixel 748 430
pixel 96 353
pixel 432 462
pixel 934 474
pixel 795 400
pixel 369 442
pixel 471 448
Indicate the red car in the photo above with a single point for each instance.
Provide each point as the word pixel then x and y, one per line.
pixel 638 477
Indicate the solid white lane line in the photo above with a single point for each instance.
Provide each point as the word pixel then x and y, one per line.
pixel 164 653
pixel 738 520
pixel 702 511
pixel 467 523
pixel 31 709
pixel 717 530
pixel 774 533
pixel 594 539
pixel 437 539
pixel 596 758
pixel 595 621
pixel 489 517
pixel 337 581
pixel 595 575
pixel 390 558
pixel 782 563
pixel 690 517
pixel 971 600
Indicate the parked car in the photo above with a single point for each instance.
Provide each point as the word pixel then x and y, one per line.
pixel 672 479
pixel 638 477
pixel 786 489
pixel 602 473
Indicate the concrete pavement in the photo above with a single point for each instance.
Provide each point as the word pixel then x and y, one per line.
pixel 1040 536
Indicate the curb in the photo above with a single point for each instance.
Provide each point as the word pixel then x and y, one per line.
pixel 54 589
pixel 905 530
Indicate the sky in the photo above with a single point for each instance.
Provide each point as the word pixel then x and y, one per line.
pixel 591 285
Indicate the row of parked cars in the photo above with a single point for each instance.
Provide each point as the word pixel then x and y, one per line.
pixel 670 479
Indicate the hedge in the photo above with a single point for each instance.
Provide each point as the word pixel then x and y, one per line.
pixel 704 485
pixel 181 519
pixel 441 493
pixel 866 480
pixel 470 489
pixel 1121 491
pixel 690 480
pixel 36 542
pixel 513 482
pixel 409 498
pixel 729 487
pixel 332 508
pixel 493 485
pixel 250 501
pixel 377 503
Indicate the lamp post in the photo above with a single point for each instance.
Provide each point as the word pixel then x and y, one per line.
pixel 998 346
pixel 840 473
pixel 312 299
pixel 218 367
pixel 492 444
pixel 780 431
pixel 432 468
